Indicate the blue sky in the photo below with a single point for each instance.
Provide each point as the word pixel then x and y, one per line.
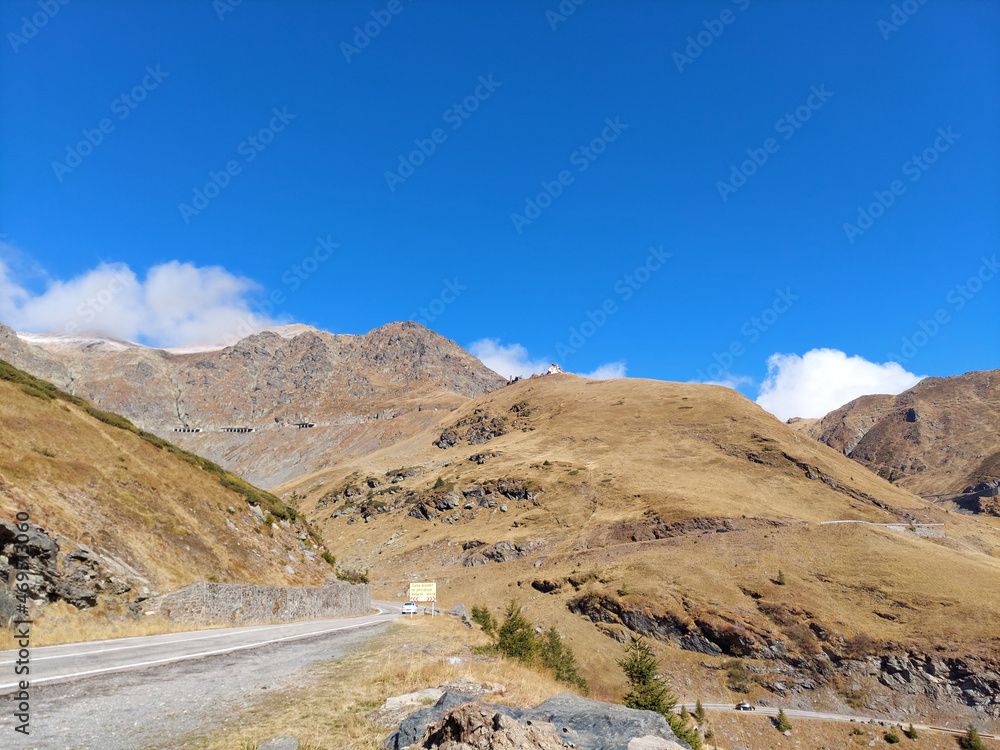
pixel 520 173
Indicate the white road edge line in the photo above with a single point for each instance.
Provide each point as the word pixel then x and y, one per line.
pixel 192 656
pixel 228 631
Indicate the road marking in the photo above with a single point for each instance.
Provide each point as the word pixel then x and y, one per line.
pixel 194 656
pixel 219 634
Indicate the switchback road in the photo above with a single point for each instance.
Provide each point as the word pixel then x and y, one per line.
pixel 792 713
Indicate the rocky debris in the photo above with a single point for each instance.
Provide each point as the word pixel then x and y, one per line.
pixel 77 576
pixel 398 707
pixel 475 430
pixel 481 458
pixel 280 743
pixel 696 630
pixel 984 489
pixel 583 722
pixel 472 726
pixel 966 680
pixel 500 552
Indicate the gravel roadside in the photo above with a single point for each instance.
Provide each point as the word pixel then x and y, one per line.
pixel 156 707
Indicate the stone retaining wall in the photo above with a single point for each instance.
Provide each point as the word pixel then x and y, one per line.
pixel 245 604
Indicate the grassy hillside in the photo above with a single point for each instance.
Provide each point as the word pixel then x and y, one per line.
pixel 152 514
pixel 676 510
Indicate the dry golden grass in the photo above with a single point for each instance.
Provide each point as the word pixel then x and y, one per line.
pixel 126 499
pixel 623 451
pixel 61 623
pixel 756 730
pixel 328 711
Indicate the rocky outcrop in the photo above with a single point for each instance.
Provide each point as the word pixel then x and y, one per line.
pixel 694 630
pixel 933 439
pixel 77 575
pixel 567 720
pixel 472 726
pixel 807 656
pixel 967 681
pixel 499 553
pixel 358 392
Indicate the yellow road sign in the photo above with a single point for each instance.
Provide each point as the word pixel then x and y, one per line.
pixel 425 591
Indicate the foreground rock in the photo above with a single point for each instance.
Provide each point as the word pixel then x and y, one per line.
pixel 459 720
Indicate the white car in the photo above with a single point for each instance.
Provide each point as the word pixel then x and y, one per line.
pixel 410 608
pixel 744 706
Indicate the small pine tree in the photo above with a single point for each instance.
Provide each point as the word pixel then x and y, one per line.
pixel 782 722
pixel 484 618
pixel 781 578
pixel 971 740
pixel 648 691
pixel 684 715
pixel 699 712
pixel 892 738
pixel 516 639
pixel 911 732
pixel 560 660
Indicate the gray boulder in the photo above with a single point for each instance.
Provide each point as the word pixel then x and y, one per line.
pixel 587 723
pixel 280 743
pixel 459 611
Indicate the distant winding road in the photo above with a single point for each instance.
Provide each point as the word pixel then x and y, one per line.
pixel 792 713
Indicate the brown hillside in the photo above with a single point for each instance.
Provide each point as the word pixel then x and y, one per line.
pixel 360 392
pixel 116 516
pixel 937 438
pixel 669 509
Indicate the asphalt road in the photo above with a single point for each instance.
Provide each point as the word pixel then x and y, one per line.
pixel 73 661
pixel 152 692
pixel 796 714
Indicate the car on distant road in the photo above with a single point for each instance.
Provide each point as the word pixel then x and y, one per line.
pixel 744 706
pixel 410 608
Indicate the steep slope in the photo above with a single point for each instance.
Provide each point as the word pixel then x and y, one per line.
pixel 937 438
pixel 678 510
pixel 359 392
pixel 116 514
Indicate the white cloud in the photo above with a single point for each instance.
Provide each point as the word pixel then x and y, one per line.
pixel 822 380
pixel 177 304
pixel 607 371
pixel 513 360
pixel 728 381
pixel 507 360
